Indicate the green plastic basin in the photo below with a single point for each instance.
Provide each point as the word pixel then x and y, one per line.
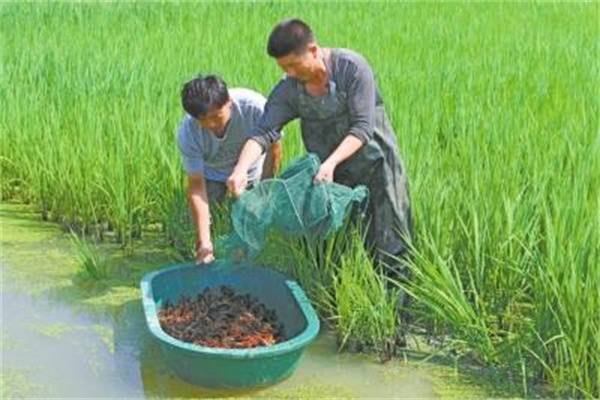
pixel 232 368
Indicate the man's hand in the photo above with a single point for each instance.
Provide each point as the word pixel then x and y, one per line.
pixel 345 150
pixel 237 182
pixel 204 253
pixel 325 173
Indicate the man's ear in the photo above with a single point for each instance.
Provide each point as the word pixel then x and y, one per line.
pixel 313 49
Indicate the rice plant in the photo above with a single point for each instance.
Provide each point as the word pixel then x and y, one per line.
pixel 495 106
pixel 93 264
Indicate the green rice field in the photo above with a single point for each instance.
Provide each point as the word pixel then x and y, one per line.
pixel 496 106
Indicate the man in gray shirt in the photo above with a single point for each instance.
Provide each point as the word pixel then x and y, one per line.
pixel 211 137
pixel 343 121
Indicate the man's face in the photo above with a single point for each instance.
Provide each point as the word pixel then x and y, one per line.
pixel 300 66
pixel 216 119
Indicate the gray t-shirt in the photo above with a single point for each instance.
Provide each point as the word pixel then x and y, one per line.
pixel 206 154
pixel 350 72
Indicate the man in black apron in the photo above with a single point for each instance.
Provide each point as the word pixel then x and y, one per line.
pixel 344 122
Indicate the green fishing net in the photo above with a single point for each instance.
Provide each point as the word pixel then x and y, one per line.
pixel 290 205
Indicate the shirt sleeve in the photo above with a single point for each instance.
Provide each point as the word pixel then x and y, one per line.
pixel 281 108
pixel 361 97
pixel 258 113
pixel 191 153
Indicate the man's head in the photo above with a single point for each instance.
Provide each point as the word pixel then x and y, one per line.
pixel 294 47
pixel 206 98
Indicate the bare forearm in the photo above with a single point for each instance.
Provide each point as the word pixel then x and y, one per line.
pixel 349 146
pixel 250 153
pixel 346 149
pixel 200 213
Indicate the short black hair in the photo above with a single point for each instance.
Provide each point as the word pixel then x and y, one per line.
pixel 289 36
pixel 202 94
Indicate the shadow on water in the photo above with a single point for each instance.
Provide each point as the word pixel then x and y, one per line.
pixel 63 337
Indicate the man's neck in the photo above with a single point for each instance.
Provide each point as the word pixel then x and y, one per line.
pixel 221 134
pixel 321 76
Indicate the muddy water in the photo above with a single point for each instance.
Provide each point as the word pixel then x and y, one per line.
pixel 68 340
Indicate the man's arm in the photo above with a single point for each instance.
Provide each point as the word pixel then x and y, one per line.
pixel 238 180
pixel 347 148
pixel 201 217
pixel 361 102
pixel 279 110
pixel 272 161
